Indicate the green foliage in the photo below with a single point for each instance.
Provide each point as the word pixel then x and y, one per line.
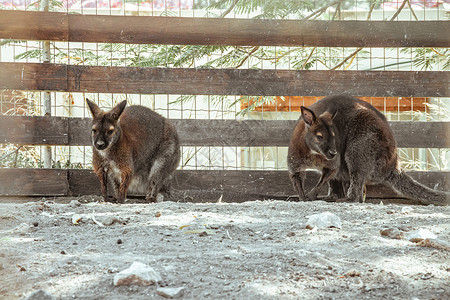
pixel 188 56
pixel 427 58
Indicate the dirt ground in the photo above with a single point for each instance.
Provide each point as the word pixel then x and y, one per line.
pixel 252 250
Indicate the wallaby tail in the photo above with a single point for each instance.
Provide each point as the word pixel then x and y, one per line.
pixel 408 187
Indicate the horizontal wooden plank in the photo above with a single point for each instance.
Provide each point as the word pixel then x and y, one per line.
pixel 242 133
pixel 234 186
pixel 34 130
pixel 28 25
pixel 33 182
pixel 97 79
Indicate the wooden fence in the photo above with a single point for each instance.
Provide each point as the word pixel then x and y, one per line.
pixel 234 185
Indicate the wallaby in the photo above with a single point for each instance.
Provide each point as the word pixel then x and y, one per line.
pixel 136 148
pixel 312 146
pixel 368 152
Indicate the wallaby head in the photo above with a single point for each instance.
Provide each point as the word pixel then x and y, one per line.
pixel 320 136
pixel 105 125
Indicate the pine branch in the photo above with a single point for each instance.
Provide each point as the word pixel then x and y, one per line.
pixel 322 10
pixel 229 9
pixel 351 56
pixel 247 56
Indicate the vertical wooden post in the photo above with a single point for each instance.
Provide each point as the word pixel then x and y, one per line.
pixel 47 104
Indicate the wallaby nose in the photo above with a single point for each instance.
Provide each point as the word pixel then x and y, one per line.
pixel 100 144
pixel 332 153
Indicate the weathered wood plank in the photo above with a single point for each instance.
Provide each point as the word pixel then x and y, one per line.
pixel 242 133
pixel 34 130
pixel 28 25
pixel 33 182
pixel 97 79
pixel 421 134
pixel 236 186
pixel 40 77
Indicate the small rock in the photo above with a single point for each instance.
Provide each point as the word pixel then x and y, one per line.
pixel 74 203
pixel 352 273
pixel 119 241
pixel 23 229
pixel 110 220
pixel 407 210
pixel 63 252
pixel 203 233
pixel 76 219
pixel 35 224
pixel 435 243
pixel 40 295
pixel 291 234
pixel 168 292
pixel 419 235
pixel 137 274
pixel 158 214
pixel 392 233
pixel 323 220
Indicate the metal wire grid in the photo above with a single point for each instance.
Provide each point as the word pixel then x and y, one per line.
pixel 216 107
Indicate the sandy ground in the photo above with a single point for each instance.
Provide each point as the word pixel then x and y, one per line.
pixel 253 250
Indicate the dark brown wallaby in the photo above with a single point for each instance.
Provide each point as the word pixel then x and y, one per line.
pixel 136 148
pixel 312 146
pixel 367 152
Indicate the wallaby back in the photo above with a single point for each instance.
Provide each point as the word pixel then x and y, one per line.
pixel 368 151
pixel 135 148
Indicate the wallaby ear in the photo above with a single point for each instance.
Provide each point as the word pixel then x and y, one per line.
pixel 308 116
pixel 95 110
pixel 327 117
pixel 118 109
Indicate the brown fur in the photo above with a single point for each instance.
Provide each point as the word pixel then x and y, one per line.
pixel 312 146
pixel 367 151
pixel 135 148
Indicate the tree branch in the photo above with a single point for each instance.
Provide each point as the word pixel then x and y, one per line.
pixel 368 17
pixel 229 9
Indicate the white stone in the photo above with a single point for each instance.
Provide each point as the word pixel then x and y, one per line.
pixel 137 274
pixel 168 292
pixel 323 220
pixel 40 295
pixel 419 235
pixel 406 210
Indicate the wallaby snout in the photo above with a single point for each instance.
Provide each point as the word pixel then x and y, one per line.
pixel 331 154
pixel 135 148
pixel 100 145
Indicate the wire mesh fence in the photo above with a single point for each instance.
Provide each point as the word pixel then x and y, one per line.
pixel 248 57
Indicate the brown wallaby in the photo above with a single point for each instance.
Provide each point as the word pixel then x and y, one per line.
pixel 367 152
pixel 312 146
pixel 135 147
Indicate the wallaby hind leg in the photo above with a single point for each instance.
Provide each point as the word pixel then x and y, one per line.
pixel 336 190
pixel 159 180
pixel 356 190
pixel 359 168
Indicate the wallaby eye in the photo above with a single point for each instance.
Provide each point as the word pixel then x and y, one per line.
pixel 94 131
pixel 110 132
pixel 319 136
